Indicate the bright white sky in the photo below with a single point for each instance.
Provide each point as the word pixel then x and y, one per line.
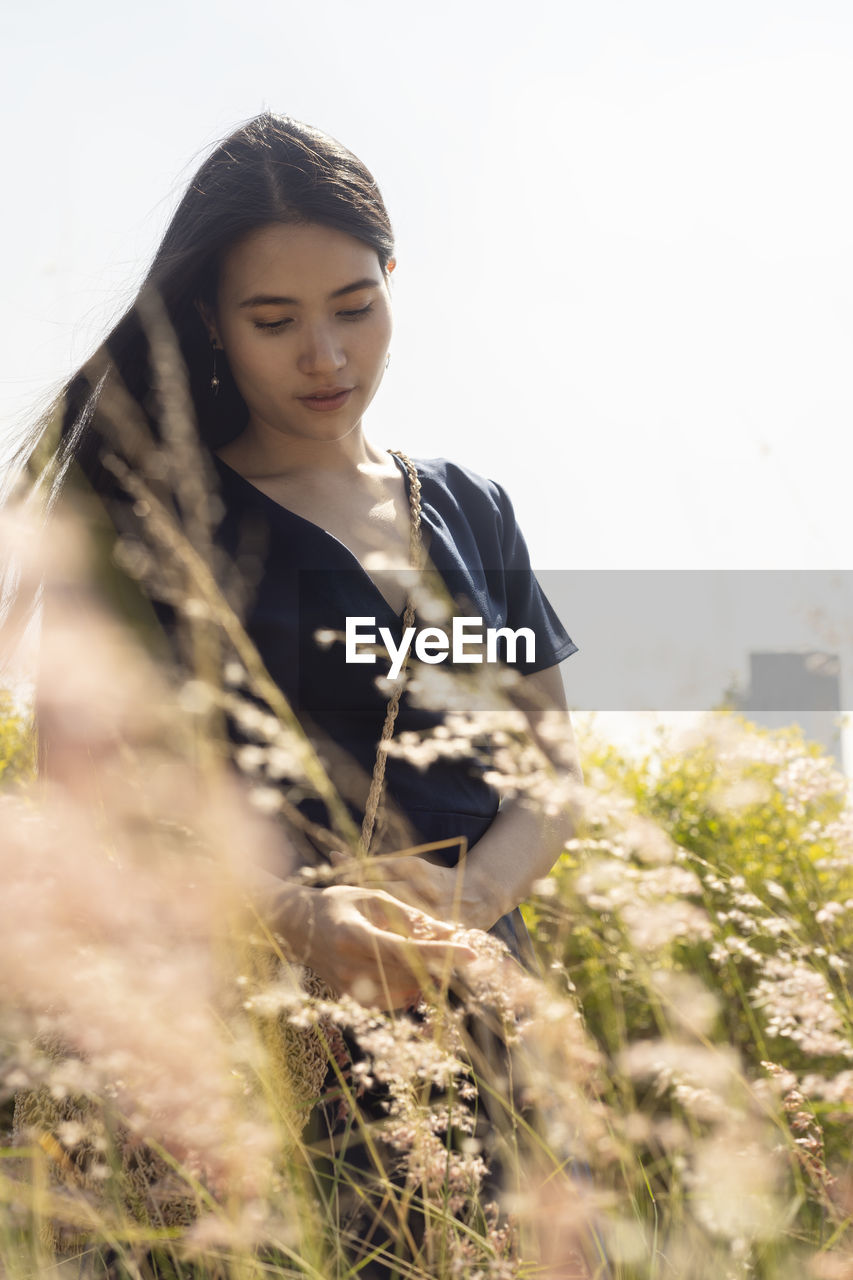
pixel 625 237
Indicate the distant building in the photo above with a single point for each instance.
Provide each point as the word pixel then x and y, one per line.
pixel 796 688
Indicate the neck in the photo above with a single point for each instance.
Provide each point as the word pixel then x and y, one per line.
pixel 263 451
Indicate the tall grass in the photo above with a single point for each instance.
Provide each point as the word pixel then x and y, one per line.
pixel 671 1098
pixel 163 1053
pixel 675 1100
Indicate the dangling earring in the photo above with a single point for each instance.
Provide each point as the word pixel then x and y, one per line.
pixel 214 378
pixel 387 359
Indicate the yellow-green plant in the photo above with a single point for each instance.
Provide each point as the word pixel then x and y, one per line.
pixel 17 742
pixel 702 916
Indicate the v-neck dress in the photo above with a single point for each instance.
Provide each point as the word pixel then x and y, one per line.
pixel 302 584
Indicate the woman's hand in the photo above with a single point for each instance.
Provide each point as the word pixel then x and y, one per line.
pixel 452 894
pixel 368 944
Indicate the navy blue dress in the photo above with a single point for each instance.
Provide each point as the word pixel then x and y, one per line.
pixel 301 580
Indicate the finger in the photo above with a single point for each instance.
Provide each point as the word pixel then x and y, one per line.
pixel 349 869
pixel 412 919
pixel 411 883
pixel 406 892
pixel 396 917
pixel 401 971
pixel 421 881
pixel 438 906
pixel 397 959
pixel 413 869
pixel 388 978
pixel 408 869
pixel 384 990
pixel 431 953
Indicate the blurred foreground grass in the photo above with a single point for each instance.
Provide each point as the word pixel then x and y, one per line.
pixel 701 923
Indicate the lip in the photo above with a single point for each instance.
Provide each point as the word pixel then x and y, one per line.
pixel 327 398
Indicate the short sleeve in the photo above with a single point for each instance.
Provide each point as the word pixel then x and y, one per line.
pixel 527 604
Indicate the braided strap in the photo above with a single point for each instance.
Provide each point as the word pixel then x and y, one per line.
pixel 416 550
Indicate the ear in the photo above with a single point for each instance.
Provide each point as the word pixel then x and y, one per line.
pixel 392 262
pixel 208 319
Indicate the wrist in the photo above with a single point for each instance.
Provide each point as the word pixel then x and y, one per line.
pixel 289 911
pixel 483 900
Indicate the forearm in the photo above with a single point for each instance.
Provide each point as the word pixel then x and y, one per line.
pixel 526 836
pixel 519 848
pixel 532 827
pixel 362 943
pixel 287 909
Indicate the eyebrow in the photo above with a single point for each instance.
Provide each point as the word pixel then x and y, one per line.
pixel 275 299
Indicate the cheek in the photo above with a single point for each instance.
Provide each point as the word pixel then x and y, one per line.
pixel 253 374
pixel 253 360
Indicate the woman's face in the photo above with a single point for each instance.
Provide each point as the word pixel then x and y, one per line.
pixel 304 315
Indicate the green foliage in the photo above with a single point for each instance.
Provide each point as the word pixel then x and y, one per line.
pixel 703 914
pixel 17 742
pixel 702 921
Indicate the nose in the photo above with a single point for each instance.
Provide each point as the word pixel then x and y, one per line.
pixel 321 351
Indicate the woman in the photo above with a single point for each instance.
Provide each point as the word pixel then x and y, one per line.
pixel 275 274
pixel 272 284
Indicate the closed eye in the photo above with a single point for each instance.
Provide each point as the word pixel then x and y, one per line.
pixel 272 326
pixel 276 326
pixel 356 315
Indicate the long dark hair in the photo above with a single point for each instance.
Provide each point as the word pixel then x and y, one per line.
pixel 272 169
pixel 108 422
